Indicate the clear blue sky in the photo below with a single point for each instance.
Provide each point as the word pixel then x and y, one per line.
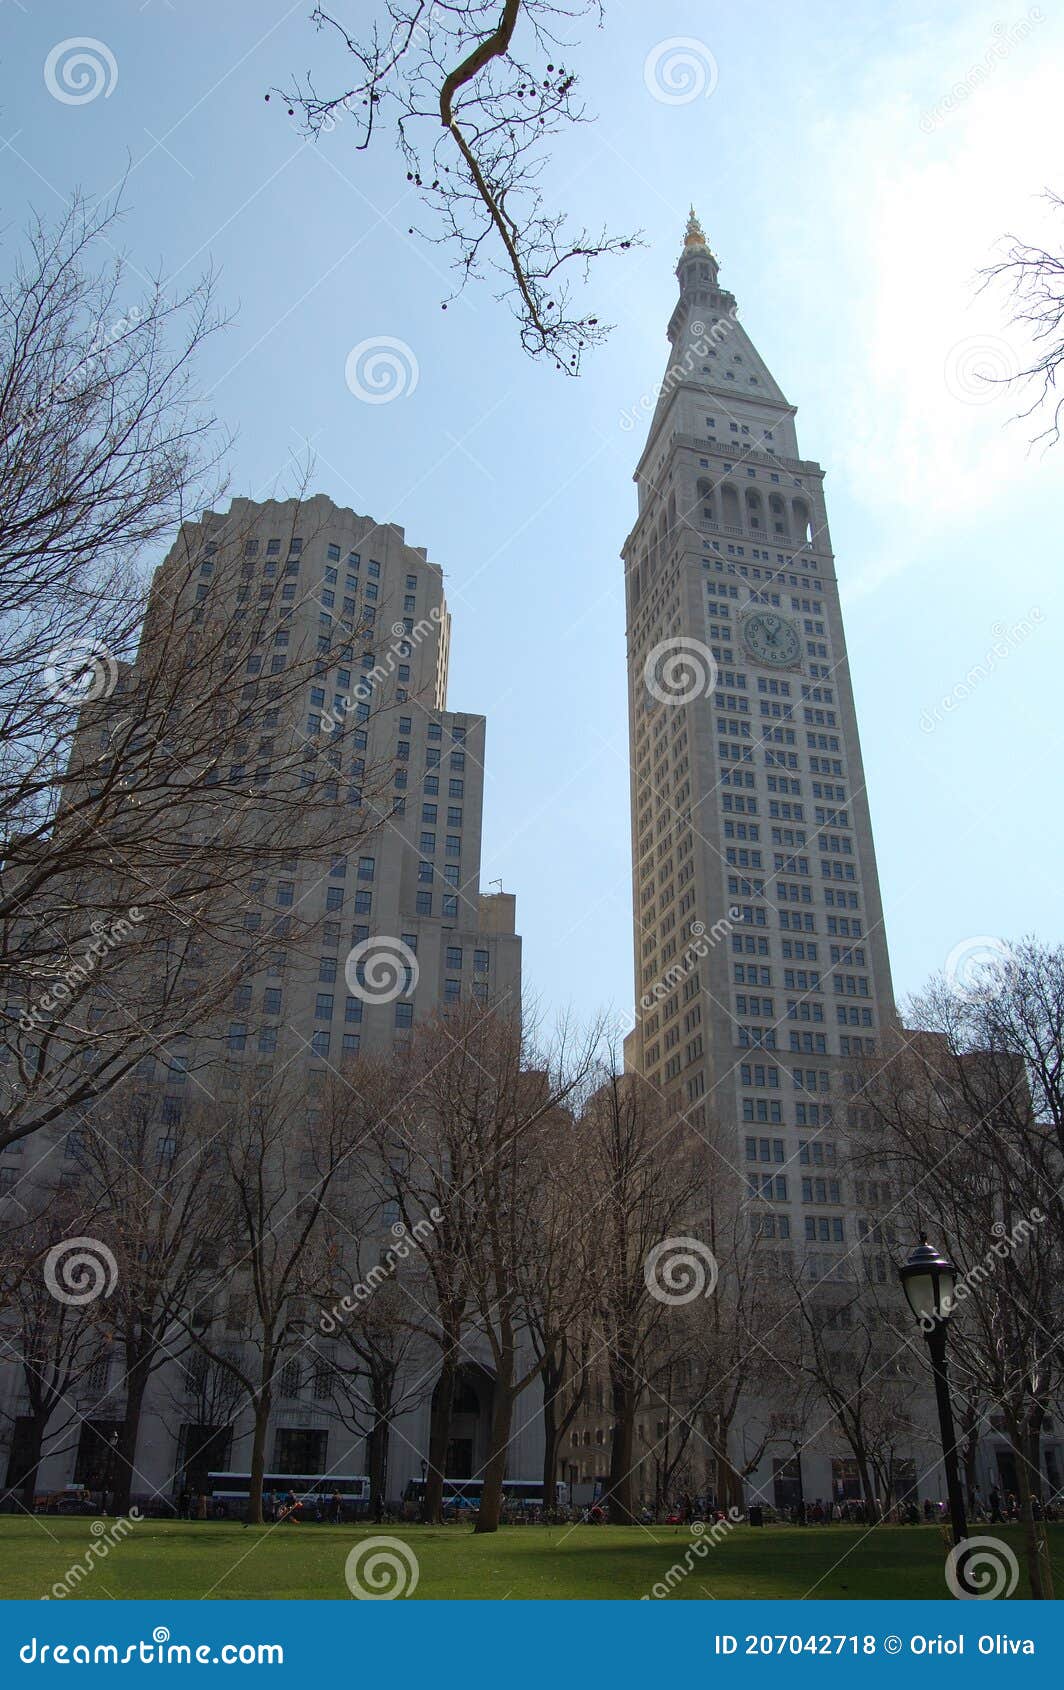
pixel 851 210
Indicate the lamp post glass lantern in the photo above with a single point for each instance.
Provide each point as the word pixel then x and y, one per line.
pixel 928 1279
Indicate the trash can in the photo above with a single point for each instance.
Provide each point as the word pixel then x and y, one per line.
pixel 757 1518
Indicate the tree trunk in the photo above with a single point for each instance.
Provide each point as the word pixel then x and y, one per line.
pixel 439 1438
pixel 377 1451
pixel 126 1448
pixel 1038 1568
pixel 969 1456
pixel 495 1469
pixel 551 1438
pixel 28 1482
pixel 623 1402
pixel 868 1488
pixel 729 1482
pixel 258 1456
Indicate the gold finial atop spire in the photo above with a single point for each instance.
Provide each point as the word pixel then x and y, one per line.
pixel 694 235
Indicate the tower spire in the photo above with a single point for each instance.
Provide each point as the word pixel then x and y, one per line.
pixel 694 234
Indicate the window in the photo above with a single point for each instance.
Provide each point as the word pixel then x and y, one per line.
pixel 286 894
pixel 366 868
pixel 480 962
pixel 454 956
pixel 319 1044
pixel 423 904
pixel 404 1015
pixel 450 905
pixel 238 1035
pixel 271 1000
pixel 352 1009
pixel 323 1006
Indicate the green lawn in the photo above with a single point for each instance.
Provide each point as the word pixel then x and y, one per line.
pixel 169 1559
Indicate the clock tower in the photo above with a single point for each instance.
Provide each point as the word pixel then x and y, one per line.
pixel 761 969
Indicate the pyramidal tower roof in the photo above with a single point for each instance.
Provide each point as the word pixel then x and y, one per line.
pixel 710 352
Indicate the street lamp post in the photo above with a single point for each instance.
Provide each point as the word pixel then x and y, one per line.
pixel 928 1279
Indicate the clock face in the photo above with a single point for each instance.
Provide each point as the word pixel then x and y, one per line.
pixel 771 639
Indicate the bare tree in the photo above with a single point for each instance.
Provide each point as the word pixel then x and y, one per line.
pixel 953 1120
pixel 472 91
pixel 644 1178
pixel 372 1359
pixel 506 1100
pixel 1034 278
pixel 410 1162
pixel 862 1365
pixel 154 763
pixel 54 1327
pixel 158 1204
pixel 280 1162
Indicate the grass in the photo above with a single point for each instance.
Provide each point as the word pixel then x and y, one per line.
pixel 177 1560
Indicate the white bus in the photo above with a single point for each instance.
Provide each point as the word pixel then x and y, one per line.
pixel 228 1492
pixel 465 1493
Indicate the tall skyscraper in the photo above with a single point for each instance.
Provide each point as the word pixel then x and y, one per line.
pixel 327 956
pixel 761 969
